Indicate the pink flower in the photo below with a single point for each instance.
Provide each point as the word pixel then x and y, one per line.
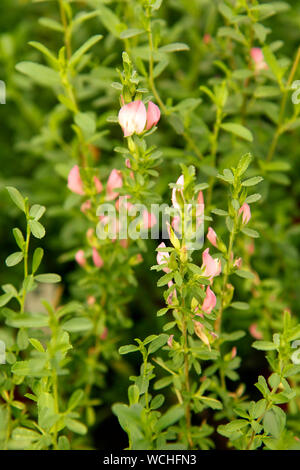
pixel 114 181
pixel 149 219
pixel 80 258
pixel 211 266
pixel 123 203
pixel 258 59
pixel 91 300
pixel 98 184
pixel 86 206
pixel 254 331
pixel 206 38
pixel 170 341
pixel 124 243
pixel 132 118
pixel 246 213
pixel 238 263
pixel 104 334
pixel 163 257
pixel 212 237
pixel 209 301
pixel 74 181
pixel 127 163
pixel 173 294
pixel 98 261
pixel 180 183
pixel 233 352
pixel 153 115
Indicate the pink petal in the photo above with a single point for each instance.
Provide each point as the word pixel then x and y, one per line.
pixel 98 184
pixel 153 115
pixel 114 181
pixel 80 258
pixel 98 261
pixel 209 301
pixel 212 236
pixel 246 213
pixel 74 181
pixel 132 118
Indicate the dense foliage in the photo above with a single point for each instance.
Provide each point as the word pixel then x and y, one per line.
pixel 150 342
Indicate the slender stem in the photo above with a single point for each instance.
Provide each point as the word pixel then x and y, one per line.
pixel 67 30
pixel 282 107
pixel 214 149
pixel 26 250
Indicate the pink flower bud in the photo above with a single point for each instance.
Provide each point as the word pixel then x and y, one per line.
pixel 90 234
pixel 153 115
pixel 149 219
pixel 206 38
pixel 132 118
pixel 212 237
pixel 98 261
pixel 170 341
pixel 254 331
pixel 104 334
pixel 91 300
pixel 233 352
pixel 163 257
pixel 209 301
pixel 74 181
pixel 258 59
pixel 127 163
pixel 114 181
pixel 211 266
pixel 86 206
pixel 124 243
pixel 80 258
pixel 238 263
pixel 180 183
pixel 246 213
pixel 98 184
pixel 173 294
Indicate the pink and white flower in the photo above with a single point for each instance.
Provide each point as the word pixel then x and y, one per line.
pixel 114 181
pixel 209 301
pixel 246 213
pixel 211 266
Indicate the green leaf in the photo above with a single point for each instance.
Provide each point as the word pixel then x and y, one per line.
pixel 25 320
pixel 165 279
pixel 37 211
pixel 253 198
pixel 252 181
pixel 40 74
pixel 176 46
pixel 37 229
pixel 19 238
pixel 36 344
pixel 63 443
pixel 264 345
pixel 48 278
pixel 244 274
pixel 244 163
pixel 211 402
pixel 76 426
pixel 37 258
pixel 238 129
pixel 17 197
pixel 75 399
pixel 5 298
pixel 128 349
pixel 274 421
pixel 170 417
pixel 84 48
pixel 157 343
pixel 44 50
pixel 131 32
pixel 86 123
pixel 14 258
pixel 77 324
pixel 219 212
pixel 273 63
pixel 21 368
pixel 240 305
pixel 250 232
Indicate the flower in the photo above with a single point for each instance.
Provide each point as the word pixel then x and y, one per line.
pixel 246 213
pixel 173 294
pixel 207 38
pixel 98 184
pixel 209 301
pixel 180 183
pixel 153 115
pixel 170 341
pixel 98 261
pixel 255 332
pixel 211 266
pixel 132 118
pixel 80 258
pixel 238 263
pixel 212 236
pixel 75 183
pixel 162 258
pixel 86 206
pixel 149 219
pixel 258 59
pixel 114 181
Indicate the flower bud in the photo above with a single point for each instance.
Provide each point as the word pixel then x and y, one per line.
pixel 75 183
